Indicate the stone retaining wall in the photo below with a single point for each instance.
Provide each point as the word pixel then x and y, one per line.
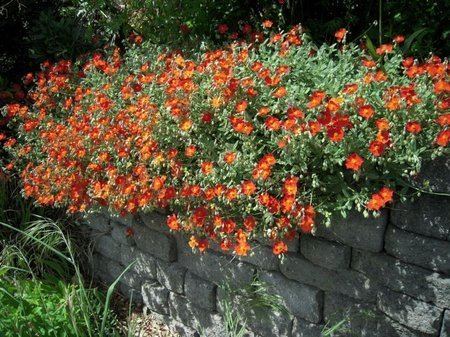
pixel 383 277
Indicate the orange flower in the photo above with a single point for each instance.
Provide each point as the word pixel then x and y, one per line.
pixel 190 151
pixel 413 127
pixel 229 157
pixel 172 222
pixel 376 148
pixel 354 162
pixel 375 203
pixel 316 99
pixel 249 223
pixel 340 34
pixel 248 187
pixel 207 167
pixel 290 186
pixel 443 138
pixel 267 24
pixel 273 123
pixel 185 124
pixel 279 92
pixel 279 247
pixel 242 248
pixel 380 199
pixel 241 106
pixel 366 111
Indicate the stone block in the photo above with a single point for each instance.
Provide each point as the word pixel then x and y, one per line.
pixel 349 317
pixel 155 297
pixel 106 246
pixel 118 233
pixel 262 320
pixel 153 220
pixel 97 222
pixel 410 312
pixel 181 329
pixel 207 323
pixel 331 255
pixel 445 328
pixel 356 231
pixel 161 245
pixel 200 292
pixel 415 281
pixel 347 282
pixel 303 328
pixel 171 276
pixel 434 175
pixel 144 264
pixel 125 220
pixel 133 294
pixel 389 327
pixel 420 250
pixel 429 215
pixel 300 300
pixel 215 267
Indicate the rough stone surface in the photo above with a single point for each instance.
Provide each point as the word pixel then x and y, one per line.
pixel 356 319
pixel 144 264
pixel 325 253
pixel 434 254
pixel 159 244
pixel 356 231
pixel 97 221
pixel 215 267
pixel 303 328
pixel 412 280
pixel 429 216
pixel 106 246
pixel 261 320
pixel 410 312
pixel 300 300
pixel 171 275
pixel 434 175
pixel 127 220
pixel 349 282
pixel 207 323
pixel 200 292
pixel 153 220
pixel 180 328
pixel 388 327
pixel 156 297
pixel 445 329
pixel 119 235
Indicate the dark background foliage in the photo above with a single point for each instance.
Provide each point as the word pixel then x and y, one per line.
pixel 35 30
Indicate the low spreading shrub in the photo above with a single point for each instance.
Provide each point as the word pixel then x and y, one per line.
pixel 238 141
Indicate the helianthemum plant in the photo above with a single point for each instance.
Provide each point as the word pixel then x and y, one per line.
pixel 243 140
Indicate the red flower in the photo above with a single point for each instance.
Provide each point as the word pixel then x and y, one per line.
pixel 354 162
pixel 222 28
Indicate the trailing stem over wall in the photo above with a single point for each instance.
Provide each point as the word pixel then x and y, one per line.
pixel 388 276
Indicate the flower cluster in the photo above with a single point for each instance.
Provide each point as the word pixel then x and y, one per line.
pixel 242 141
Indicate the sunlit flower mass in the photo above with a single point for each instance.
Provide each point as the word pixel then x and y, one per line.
pixel 251 139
